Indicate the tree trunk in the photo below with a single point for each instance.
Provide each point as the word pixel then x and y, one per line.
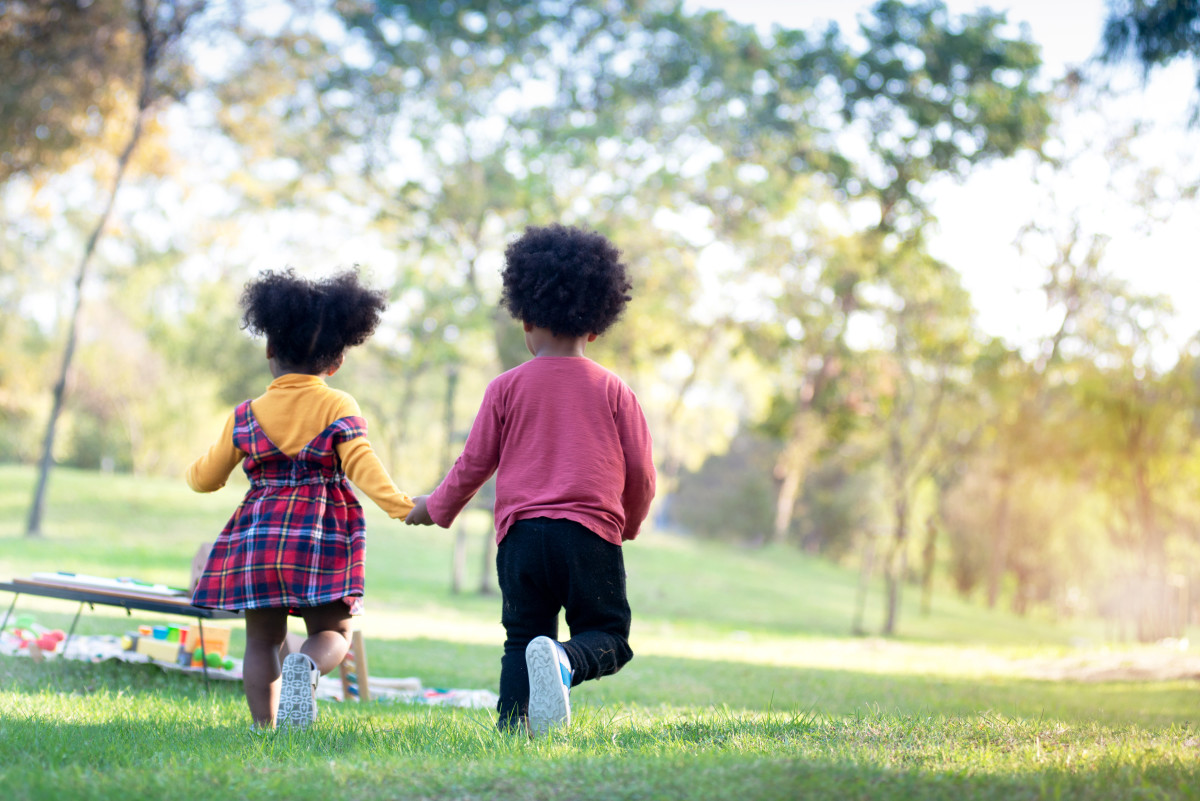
pixel 33 527
pixel 895 566
pixel 448 417
pixel 487 586
pixel 785 501
pixel 1159 605
pixel 998 558
pixel 1155 554
pixel 1021 592
pixel 458 578
pixel 152 47
pixel 792 468
pixel 807 438
pixel 858 627
pixel 928 560
pixel 671 453
pixel 399 422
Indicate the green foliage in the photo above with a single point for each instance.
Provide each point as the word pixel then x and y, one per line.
pixel 935 95
pixel 73 68
pixel 66 68
pixel 1152 33
pixel 208 338
pixel 731 496
pixel 840 507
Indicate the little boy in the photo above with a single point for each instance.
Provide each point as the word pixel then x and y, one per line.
pixel 574 477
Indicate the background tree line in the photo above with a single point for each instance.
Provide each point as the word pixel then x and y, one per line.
pixel 814 376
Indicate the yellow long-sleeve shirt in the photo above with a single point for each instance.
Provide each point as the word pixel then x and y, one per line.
pixel 294 410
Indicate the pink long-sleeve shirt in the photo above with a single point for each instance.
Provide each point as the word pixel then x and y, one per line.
pixel 566 439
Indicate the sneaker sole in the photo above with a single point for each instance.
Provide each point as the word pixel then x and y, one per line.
pixel 549 700
pixel 297 705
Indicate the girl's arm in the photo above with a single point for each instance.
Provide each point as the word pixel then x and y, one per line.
pixel 210 472
pixel 363 467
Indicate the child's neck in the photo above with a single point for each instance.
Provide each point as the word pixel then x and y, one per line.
pixel 574 349
pixel 542 342
pixel 279 370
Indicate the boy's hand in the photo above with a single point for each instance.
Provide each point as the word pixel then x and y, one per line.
pixel 419 515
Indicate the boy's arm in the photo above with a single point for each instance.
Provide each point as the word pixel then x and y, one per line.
pixel 639 465
pixel 363 467
pixel 210 472
pixel 474 466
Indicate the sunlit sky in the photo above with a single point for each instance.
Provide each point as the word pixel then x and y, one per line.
pixel 979 221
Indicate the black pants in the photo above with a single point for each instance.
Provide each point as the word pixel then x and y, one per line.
pixel 546 565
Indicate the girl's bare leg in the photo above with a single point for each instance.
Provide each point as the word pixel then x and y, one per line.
pixel 265 632
pixel 328 635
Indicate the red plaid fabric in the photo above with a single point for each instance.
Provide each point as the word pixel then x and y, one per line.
pixel 298 538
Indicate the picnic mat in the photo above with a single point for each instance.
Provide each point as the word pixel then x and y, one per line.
pixel 103 647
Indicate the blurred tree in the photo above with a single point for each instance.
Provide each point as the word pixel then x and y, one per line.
pixel 729 497
pixel 927 318
pixel 924 97
pixel 68 67
pixel 963 414
pixel 1029 416
pixel 839 507
pixel 157 74
pixel 1139 434
pixel 1144 416
pixel 1014 413
pixel 1153 33
pixel 929 94
pixel 1097 323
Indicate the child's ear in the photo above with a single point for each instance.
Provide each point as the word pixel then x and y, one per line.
pixel 527 326
pixel 592 337
pixel 333 368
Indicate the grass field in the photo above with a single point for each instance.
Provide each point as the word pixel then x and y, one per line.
pixel 746 685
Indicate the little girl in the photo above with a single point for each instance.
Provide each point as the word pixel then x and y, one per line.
pixel 296 544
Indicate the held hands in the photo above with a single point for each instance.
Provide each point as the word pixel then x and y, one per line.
pixel 419 515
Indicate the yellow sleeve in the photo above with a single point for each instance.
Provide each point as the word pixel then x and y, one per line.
pixel 363 467
pixel 210 472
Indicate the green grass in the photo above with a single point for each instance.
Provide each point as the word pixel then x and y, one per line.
pixel 745 685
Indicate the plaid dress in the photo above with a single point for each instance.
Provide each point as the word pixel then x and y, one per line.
pixel 298 538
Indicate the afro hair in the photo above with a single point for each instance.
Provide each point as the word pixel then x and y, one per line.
pixel 310 323
pixel 565 279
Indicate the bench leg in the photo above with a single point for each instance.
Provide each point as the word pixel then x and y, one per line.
pixel 8 614
pixel 71 631
pixel 360 656
pixel 353 670
pixel 204 661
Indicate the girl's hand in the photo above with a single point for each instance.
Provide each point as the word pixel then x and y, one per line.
pixel 419 515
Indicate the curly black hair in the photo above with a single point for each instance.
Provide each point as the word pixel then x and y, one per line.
pixel 565 279
pixel 310 323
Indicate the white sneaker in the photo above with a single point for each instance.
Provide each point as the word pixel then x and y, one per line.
pixel 549 685
pixel 298 695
